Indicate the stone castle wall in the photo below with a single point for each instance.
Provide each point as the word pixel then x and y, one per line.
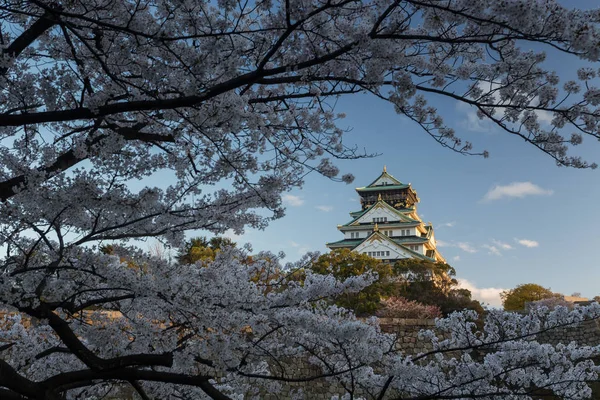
pixel 408 330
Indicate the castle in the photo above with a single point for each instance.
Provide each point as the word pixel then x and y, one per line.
pixel 388 227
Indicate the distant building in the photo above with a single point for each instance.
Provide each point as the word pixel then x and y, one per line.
pixel 388 226
pixel 576 299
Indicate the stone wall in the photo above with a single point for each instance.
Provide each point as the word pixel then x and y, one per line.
pixel 407 331
pixel 587 333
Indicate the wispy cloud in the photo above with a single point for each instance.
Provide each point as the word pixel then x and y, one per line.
pixel 497 247
pixel 291 200
pixel 472 122
pixel 447 225
pixel 492 249
pixel 456 258
pixel 527 243
pixel 230 234
pixel 300 248
pixel 515 190
pixel 489 295
pixel 466 247
pixel 324 208
pixel 502 245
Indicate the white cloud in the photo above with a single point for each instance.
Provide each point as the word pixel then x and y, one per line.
pixel 515 189
pixel 447 224
pixel 492 249
pixel 527 243
pixel 497 247
pixel 324 208
pixel 466 247
pixel 502 245
pixel 472 122
pixel 230 234
pixel 291 200
pixel 302 249
pixel 544 117
pixel 489 295
pixel 456 258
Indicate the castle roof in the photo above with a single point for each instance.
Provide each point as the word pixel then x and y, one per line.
pixel 395 242
pixel 382 204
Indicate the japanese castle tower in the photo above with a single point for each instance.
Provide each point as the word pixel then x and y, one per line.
pixel 388 226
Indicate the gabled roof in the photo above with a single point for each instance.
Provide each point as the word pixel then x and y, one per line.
pixel 382 225
pixel 384 174
pixel 391 241
pixel 351 243
pixel 380 188
pixel 410 239
pixel 356 214
pixel 381 203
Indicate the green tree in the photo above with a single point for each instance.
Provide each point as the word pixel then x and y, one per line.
pixel 343 264
pixel 426 275
pixel 515 299
pixel 202 249
pixel 433 283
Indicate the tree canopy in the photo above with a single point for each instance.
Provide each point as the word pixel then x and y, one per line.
pixel 515 299
pixel 344 264
pixel 202 249
pixel 433 283
pixel 229 104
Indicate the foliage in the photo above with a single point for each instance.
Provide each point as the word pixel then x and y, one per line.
pixel 433 284
pixel 343 264
pixel 515 299
pixel 229 104
pixel 423 274
pixel 399 307
pixel 202 249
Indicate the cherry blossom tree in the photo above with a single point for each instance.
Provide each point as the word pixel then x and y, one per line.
pixel 230 104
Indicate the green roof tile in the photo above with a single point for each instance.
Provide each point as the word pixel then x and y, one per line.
pixel 403 217
pixel 386 175
pixel 380 188
pixel 346 243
